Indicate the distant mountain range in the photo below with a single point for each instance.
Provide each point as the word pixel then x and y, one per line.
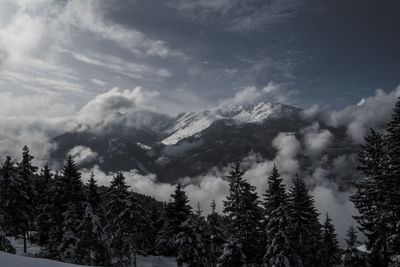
pixel 190 143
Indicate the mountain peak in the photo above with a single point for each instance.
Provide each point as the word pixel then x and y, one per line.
pixel 192 123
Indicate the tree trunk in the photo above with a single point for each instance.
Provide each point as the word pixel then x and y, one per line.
pixel 25 233
pixel 134 259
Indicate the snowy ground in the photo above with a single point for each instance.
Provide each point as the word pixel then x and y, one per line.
pixel 28 260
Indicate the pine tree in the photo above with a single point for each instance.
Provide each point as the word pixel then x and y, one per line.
pixel 217 234
pixel 243 213
pixel 192 242
pixel 306 229
pixel 68 247
pixel 44 194
pixel 232 254
pixel 331 253
pixel 66 213
pixel 15 201
pixel 26 171
pixel 278 250
pixel 351 257
pixel 154 221
pixel 92 246
pixel 93 196
pixel 393 183
pixel 74 198
pixel 56 218
pixel 372 197
pixel 177 211
pixel 72 183
pixel 123 226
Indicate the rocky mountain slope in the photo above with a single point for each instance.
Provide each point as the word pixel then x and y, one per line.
pixel 188 144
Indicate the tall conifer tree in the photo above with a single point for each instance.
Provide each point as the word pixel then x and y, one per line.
pixel 243 214
pixel 278 250
pixel 331 254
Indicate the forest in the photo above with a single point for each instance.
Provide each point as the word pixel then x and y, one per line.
pixel 83 223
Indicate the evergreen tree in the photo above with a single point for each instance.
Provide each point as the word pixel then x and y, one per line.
pixel 232 254
pixel 72 184
pixel 154 221
pixel 372 197
pixel 243 213
pixel 192 242
pixel 68 247
pixel 331 253
pixel 177 211
pixel 26 171
pixel 351 257
pixel 123 227
pixel 392 201
pixel 278 250
pixel 43 211
pixel 56 218
pixel 92 247
pixel 93 196
pixel 306 229
pixel 72 187
pixel 217 234
pixel 15 201
pixel 66 213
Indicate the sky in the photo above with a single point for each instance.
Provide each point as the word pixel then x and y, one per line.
pixel 194 54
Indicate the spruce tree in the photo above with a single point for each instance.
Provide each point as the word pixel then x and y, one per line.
pixel 68 247
pixel 26 171
pixel 331 254
pixel 92 246
pixel 123 226
pixel 351 257
pixel 73 195
pixel 393 183
pixel 373 196
pixel 16 212
pixel 217 233
pixel 56 209
pixel 93 195
pixel 243 214
pixel 43 208
pixel 306 229
pixel 192 242
pixel 232 254
pixel 177 211
pixel 278 250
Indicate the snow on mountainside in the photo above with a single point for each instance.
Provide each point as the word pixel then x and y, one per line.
pixel 192 123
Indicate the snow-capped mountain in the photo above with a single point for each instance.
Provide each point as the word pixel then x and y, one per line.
pixel 192 123
pixel 186 145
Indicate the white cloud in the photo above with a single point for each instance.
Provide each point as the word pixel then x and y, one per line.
pixel 98 82
pixel 114 103
pixel 273 92
pixel 245 96
pixel 30 120
pixel 88 16
pixel 339 207
pixel 315 139
pixel 82 154
pixel 372 111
